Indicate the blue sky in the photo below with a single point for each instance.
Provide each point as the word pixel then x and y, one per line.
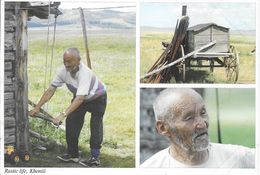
pixel 237 16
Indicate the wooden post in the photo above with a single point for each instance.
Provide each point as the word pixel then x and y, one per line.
pixel 85 36
pixel 22 121
pixel 184 10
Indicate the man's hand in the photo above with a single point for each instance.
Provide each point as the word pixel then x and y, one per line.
pixel 33 112
pixel 58 120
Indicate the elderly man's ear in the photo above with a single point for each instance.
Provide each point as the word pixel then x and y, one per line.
pixel 162 128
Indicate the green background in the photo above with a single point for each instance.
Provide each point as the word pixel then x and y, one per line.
pixel 237 115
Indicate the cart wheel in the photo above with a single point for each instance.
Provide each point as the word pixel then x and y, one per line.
pixel 184 72
pixel 183 64
pixel 211 65
pixel 232 66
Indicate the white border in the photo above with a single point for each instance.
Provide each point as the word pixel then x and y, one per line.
pixel 137 170
pixel 257 134
pixel 2 89
pixel 137 87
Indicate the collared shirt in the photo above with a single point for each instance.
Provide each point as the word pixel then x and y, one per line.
pixel 220 156
pixel 84 83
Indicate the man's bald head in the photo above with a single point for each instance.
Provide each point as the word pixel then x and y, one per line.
pixel 169 99
pixel 72 53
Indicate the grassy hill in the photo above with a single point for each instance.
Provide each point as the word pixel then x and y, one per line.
pixel 113 60
pixel 99 19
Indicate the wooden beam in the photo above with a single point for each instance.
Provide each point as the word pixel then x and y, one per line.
pixel 179 60
pixel 184 10
pixel 43 138
pixel 41 110
pixel 22 121
pixel 38 136
pixel 85 36
pixel 43 117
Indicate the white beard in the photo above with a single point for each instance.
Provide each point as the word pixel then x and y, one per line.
pixel 198 144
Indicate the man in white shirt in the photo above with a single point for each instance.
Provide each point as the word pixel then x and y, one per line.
pixel 181 116
pixel 89 95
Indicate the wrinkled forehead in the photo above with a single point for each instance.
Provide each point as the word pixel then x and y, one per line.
pixel 187 101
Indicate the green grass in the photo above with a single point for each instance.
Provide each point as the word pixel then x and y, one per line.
pixel 236 113
pixel 113 61
pixel 151 49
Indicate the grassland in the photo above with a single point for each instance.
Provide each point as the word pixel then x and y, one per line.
pixel 151 49
pixel 113 61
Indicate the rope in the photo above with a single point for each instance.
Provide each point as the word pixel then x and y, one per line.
pixel 52 49
pixel 46 49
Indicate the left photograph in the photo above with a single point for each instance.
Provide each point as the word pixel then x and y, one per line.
pixel 69 87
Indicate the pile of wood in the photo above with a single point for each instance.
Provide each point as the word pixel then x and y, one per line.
pixel 43 115
pixel 170 54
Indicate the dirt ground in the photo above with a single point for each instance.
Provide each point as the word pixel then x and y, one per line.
pixel 47 158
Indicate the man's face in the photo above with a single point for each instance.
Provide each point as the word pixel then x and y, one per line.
pixel 188 125
pixel 71 63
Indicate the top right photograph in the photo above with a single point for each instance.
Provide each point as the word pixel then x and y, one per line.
pixel 197 42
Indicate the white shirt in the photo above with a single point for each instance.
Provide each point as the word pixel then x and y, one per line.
pixel 220 156
pixel 84 83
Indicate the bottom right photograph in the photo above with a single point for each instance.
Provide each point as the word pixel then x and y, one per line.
pixel 197 128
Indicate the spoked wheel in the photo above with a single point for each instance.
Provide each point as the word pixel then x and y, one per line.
pixel 232 65
pixel 211 63
pixel 183 66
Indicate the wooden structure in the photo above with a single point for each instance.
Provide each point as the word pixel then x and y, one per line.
pixel 202 34
pixel 221 54
pixel 207 45
pixel 16 123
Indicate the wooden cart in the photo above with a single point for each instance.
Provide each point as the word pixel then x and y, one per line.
pixel 222 54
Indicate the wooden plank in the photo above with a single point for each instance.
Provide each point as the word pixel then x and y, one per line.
pixel 41 116
pixel 9 16
pixel 9 5
pixel 179 60
pixel 9 103
pixel 9 112
pixel 9 41
pixel 212 54
pixel 9 131
pixel 9 26
pixel 22 121
pixel 204 32
pixel 184 10
pixel 9 87
pixel 8 65
pixel 41 110
pixel 8 80
pixel 9 56
pixel 9 74
pixel 8 95
pixel 216 48
pixel 9 139
pixel 9 122
pixel 38 136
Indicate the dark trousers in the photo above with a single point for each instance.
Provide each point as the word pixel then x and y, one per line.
pixel 75 121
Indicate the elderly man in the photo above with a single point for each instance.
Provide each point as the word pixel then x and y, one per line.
pixel 89 95
pixel 182 117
